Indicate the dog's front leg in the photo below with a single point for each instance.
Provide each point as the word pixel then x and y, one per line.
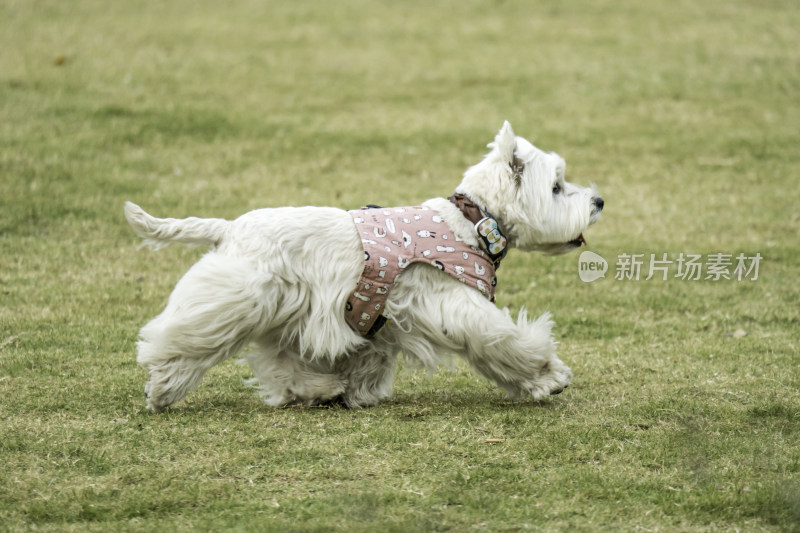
pixel 520 357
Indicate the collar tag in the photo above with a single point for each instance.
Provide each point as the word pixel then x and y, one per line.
pixel 495 242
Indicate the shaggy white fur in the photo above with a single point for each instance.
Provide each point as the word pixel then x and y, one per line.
pixel 279 279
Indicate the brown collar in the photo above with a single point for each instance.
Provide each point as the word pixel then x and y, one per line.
pixel 488 230
pixel 471 211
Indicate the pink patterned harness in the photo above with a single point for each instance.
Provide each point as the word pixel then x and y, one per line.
pixel 395 237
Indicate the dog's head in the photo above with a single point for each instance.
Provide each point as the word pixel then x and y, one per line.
pixel 525 189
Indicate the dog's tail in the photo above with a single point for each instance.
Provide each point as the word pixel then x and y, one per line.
pixel 159 232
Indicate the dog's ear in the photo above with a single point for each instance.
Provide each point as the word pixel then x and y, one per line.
pixel 505 142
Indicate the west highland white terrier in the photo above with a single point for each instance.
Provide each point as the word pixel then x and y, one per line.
pixel 329 298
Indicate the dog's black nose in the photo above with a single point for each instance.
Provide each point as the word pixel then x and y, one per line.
pixel 599 203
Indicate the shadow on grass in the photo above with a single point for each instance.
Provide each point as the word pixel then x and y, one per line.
pixel 414 405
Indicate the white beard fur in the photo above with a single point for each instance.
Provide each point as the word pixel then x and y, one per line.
pixel 279 279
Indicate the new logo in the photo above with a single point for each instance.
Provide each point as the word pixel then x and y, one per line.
pixel 591 266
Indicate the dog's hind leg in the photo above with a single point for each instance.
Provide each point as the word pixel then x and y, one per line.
pixel 283 377
pixel 370 374
pixel 212 313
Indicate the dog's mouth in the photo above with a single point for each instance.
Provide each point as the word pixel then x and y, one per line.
pixel 578 242
pixel 558 248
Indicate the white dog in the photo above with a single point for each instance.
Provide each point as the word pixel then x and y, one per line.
pixel 283 279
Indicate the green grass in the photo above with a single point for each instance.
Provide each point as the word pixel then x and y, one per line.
pixel 683 113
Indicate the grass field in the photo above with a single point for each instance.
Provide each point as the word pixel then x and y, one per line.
pixel 685 411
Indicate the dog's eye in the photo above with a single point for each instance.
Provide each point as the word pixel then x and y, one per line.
pixel 556 188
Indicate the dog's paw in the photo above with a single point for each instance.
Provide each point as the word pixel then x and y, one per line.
pixel 553 378
pixel 330 403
